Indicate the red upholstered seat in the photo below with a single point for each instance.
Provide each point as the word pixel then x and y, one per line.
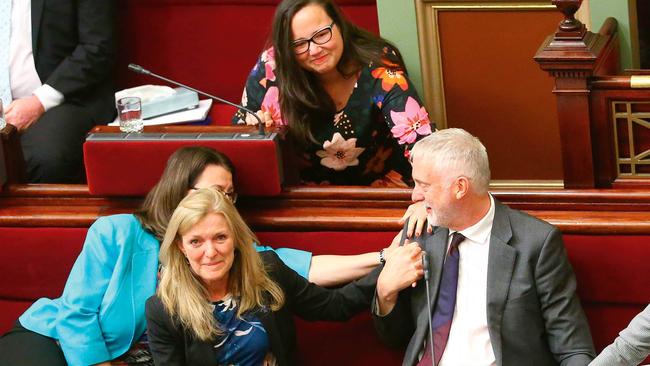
pixel 613 280
pixel 35 262
pixel 611 270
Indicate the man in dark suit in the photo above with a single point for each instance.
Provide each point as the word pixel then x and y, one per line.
pixel 502 289
pixel 60 80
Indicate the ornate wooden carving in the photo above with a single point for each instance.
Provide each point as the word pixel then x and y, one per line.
pixel 571 56
pixel 621 132
pixel 570 27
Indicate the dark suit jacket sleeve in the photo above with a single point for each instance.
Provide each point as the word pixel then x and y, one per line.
pixel 92 60
pixel 165 340
pixel 567 329
pixel 395 328
pixel 312 302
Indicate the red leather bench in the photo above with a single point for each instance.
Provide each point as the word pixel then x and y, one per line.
pixel 611 270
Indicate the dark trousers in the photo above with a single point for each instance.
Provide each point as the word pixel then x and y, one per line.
pixel 26 348
pixel 52 146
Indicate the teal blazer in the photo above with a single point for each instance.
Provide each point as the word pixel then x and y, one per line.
pixel 102 309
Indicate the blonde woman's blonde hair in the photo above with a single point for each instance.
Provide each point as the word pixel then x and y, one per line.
pixel 181 291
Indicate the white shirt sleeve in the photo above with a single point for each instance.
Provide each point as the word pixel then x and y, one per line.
pixel 48 96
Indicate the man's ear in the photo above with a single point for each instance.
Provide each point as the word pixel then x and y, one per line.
pixel 462 187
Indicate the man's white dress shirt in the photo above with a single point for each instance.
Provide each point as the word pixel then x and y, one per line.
pixel 22 68
pixel 469 340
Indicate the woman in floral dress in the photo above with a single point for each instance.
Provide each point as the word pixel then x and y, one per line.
pixel 342 93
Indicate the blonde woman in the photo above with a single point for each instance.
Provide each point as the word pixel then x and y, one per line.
pixel 219 302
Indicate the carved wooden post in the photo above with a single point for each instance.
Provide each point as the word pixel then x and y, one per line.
pixel 571 56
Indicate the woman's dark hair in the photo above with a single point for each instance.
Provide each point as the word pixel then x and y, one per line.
pixel 183 168
pixel 301 94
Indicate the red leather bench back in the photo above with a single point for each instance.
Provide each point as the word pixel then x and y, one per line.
pixel 613 275
pixel 611 271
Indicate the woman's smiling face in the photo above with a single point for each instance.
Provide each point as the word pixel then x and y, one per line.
pixel 210 250
pixel 320 59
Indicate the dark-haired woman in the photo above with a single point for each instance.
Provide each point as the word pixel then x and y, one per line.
pixel 343 94
pixel 100 317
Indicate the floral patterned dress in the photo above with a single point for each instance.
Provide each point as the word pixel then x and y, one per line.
pixel 365 143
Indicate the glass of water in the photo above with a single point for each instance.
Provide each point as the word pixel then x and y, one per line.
pixel 129 110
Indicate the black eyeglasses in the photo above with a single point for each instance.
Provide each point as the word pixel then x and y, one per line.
pixel 321 36
pixel 232 196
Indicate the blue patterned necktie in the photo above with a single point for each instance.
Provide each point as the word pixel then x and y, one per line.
pixel 5 35
pixel 443 312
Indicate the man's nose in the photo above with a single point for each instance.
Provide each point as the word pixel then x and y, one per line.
pixel 417 195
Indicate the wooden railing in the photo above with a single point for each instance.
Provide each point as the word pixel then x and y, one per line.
pixel 620 119
pixel 594 211
pixel 604 115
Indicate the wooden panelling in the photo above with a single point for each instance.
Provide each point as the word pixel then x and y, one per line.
pixel 495 90
pixel 482 77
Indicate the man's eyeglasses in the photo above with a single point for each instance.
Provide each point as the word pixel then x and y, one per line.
pixel 321 36
pixel 232 196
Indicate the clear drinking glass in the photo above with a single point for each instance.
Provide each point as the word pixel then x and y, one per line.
pixel 129 110
pixel 3 122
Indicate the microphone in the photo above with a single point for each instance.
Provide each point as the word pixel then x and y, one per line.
pixel 141 70
pixel 425 266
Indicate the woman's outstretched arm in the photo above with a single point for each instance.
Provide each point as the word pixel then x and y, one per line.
pixel 334 270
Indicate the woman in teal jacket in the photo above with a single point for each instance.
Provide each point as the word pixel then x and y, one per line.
pixel 100 316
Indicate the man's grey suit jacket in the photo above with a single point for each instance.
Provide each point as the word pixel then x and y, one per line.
pixel 533 313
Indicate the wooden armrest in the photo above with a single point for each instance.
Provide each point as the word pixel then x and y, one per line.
pixel 13 161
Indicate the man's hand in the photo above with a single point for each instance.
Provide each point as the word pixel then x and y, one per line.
pixel 402 269
pixel 417 215
pixel 23 112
